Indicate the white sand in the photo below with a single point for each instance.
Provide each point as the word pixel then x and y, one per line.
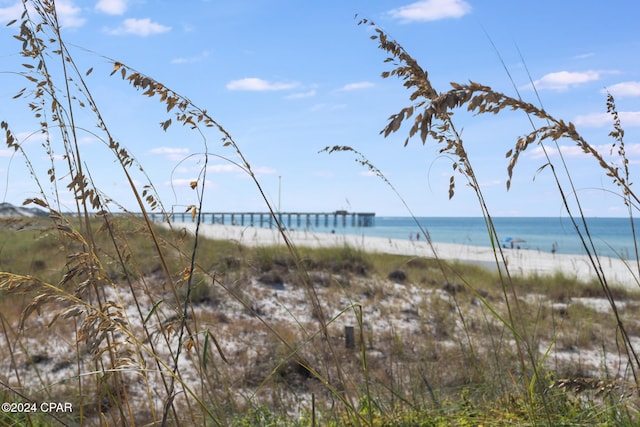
pixel 520 261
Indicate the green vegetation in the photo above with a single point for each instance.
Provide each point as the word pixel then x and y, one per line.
pixel 137 324
pixel 439 371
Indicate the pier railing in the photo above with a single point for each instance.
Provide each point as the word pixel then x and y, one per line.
pixel 286 219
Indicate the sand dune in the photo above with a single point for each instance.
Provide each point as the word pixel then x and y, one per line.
pixel 519 261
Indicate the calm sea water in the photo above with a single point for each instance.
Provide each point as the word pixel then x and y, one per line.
pixel 611 236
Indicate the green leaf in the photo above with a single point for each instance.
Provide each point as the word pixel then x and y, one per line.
pixel 206 350
pixel 153 309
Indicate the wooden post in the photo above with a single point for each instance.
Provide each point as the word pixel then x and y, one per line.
pixel 349 338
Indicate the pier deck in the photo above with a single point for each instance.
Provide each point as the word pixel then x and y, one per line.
pixel 334 219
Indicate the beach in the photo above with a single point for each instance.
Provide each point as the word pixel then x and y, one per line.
pixel 523 262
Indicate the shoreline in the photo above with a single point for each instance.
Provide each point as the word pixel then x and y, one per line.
pixel 522 262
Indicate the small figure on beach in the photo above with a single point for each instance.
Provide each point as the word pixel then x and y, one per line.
pixel 554 248
pixel 417 236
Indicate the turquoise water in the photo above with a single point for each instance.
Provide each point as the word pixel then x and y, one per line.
pixel 611 236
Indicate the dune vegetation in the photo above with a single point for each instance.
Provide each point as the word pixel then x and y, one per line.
pixel 131 323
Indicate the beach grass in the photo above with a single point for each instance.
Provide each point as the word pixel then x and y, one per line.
pixel 133 323
pixel 438 371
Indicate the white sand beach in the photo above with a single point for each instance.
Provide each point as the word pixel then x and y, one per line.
pixel 520 261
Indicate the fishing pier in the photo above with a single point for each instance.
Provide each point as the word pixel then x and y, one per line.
pixel 334 219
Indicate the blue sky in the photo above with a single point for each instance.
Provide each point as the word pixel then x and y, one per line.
pixel 286 78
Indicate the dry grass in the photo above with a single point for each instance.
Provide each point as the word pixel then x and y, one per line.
pixel 137 326
pixel 425 342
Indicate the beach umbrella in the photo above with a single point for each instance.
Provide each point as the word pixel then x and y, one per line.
pixel 513 240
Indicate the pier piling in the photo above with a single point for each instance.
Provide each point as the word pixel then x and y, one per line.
pixel 340 217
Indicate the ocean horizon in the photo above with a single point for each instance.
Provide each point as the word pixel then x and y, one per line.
pixel 611 236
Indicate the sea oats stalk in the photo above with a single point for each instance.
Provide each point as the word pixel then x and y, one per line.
pixel 93 295
pixel 433 114
pixel 54 105
pixel 160 327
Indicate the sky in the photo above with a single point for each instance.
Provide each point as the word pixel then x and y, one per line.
pixel 288 78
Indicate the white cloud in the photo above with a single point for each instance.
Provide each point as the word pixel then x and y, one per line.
pixel 356 86
pixel 112 7
pixel 171 153
pixel 186 182
pixel 593 120
pixel 584 55
pixel 6 153
pixel 264 170
pixel 231 168
pixel 324 174
pixel 605 150
pixel 169 150
pixel 191 59
pixel 140 27
pixel 327 107
pixel 86 140
pixel 300 95
pixel 12 12
pixel 223 168
pixel 627 118
pixel 538 152
pixel 68 14
pixel 491 183
pixel 563 80
pixel 431 10
pixel 623 89
pixel 31 137
pixel 256 84
pixel 632 149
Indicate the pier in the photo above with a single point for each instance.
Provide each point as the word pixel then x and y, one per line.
pixel 334 219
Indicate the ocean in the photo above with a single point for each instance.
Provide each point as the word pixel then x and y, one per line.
pixel 611 236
